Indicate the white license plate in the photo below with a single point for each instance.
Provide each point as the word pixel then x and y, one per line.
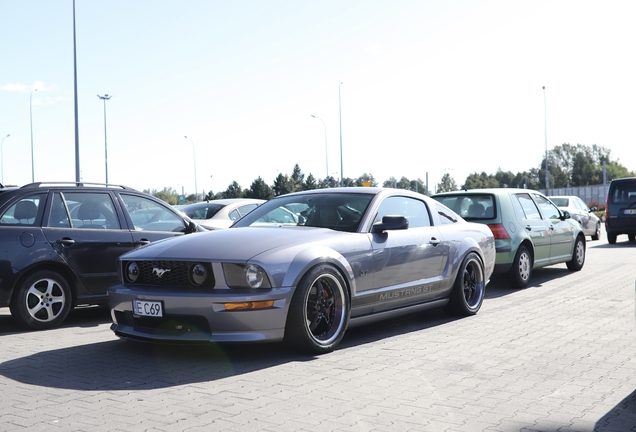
pixel 147 308
pixel 629 211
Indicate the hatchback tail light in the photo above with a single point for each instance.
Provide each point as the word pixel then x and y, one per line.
pixel 499 231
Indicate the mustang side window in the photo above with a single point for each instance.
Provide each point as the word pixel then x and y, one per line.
pixel 414 210
pixel 24 212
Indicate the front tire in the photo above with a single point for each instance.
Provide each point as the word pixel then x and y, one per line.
pixel 578 255
pixel 42 301
pixel 521 270
pixel 319 311
pixel 469 288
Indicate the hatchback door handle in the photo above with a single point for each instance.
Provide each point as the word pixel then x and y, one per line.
pixel 528 227
pixel 434 241
pixel 66 241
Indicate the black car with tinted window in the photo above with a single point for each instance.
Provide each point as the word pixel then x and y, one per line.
pixel 620 209
pixel 60 242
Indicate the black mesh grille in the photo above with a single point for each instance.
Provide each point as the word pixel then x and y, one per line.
pixel 176 324
pixel 168 273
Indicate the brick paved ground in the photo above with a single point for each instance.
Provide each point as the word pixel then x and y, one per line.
pixel 557 356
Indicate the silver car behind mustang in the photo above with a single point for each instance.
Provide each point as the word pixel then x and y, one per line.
pixel 303 268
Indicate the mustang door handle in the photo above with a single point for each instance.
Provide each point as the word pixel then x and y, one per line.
pixel 434 241
pixel 65 241
pixel 143 242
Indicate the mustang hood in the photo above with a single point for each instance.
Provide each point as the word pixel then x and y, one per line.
pixel 233 244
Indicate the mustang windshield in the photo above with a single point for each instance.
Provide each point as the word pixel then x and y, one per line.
pixel 337 211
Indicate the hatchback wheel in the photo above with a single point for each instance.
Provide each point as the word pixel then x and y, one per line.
pixel 519 273
pixel 578 256
pixel 41 301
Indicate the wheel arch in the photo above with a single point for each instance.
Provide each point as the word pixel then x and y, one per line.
pixel 59 268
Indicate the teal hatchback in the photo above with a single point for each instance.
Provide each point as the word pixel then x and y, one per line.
pixel 530 231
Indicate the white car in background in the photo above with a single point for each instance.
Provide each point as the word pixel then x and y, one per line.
pixel 579 211
pixel 221 213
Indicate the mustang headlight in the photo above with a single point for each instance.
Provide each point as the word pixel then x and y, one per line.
pixel 132 272
pixel 198 274
pixel 245 276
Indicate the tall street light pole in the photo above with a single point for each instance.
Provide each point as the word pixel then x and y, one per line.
pixel 326 150
pixel 2 163
pixel 105 98
pixel 194 158
pixel 77 161
pixel 340 115
pixel 545 122
pixel 31 121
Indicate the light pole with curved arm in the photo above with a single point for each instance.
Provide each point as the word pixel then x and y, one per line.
pixel 194 158
pixel 31 121
pixel 105 98
pixel 2 163
pixel 326 151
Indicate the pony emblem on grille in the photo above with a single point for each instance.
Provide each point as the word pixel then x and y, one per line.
pixel 159 272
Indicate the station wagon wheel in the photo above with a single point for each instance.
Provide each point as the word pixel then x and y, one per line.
pixel 469 288
pixel 319 311
pixel 611 238
pixel 578 255
pixel 41 301
pixel 521 270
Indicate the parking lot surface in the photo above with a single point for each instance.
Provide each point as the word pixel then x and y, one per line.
pixel 559 355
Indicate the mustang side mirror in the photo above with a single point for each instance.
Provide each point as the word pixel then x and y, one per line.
pixel 391 223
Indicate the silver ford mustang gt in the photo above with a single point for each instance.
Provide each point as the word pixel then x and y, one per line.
pixel 303 268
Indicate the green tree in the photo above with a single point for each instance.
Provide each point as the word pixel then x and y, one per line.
pixel 260 190
pixel 478 181
pixel 310 183
pixel 447 184
pixel 283 185
pixel 329 182
pixel 297 178
pixel 234 190
pixel 366 178
pixel 168 195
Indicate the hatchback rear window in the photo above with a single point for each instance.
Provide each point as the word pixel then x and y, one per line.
pixel 470 206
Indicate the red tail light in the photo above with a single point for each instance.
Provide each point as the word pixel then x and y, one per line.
pixel 499 231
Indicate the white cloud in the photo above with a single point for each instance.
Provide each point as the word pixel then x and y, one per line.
pixel 23 88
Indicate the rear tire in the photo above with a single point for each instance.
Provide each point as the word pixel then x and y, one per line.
pixel 597 234
pixel 42 301
pixel 319 311
pixel 469 288
pixel 631 237
pixel 578 255
pixel 521 270
pixel 611 238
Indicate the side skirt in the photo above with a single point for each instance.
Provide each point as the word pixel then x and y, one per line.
pixel 365 319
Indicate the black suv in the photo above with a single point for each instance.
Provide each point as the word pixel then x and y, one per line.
pixel 59 244
pixel 620 209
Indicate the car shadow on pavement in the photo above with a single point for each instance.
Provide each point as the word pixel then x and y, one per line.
pixel 620 418
pixel 499 285
pixel 82 316
pixel 126 365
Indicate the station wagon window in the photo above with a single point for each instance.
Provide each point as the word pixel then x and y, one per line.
pixel 414 210
pixel 148 215
pixel 529 209
pixel 87 210
pixel 25 211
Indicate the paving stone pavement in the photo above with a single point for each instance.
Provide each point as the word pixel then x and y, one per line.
pixel 557 356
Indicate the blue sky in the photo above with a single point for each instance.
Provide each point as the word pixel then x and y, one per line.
pixel 428 87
